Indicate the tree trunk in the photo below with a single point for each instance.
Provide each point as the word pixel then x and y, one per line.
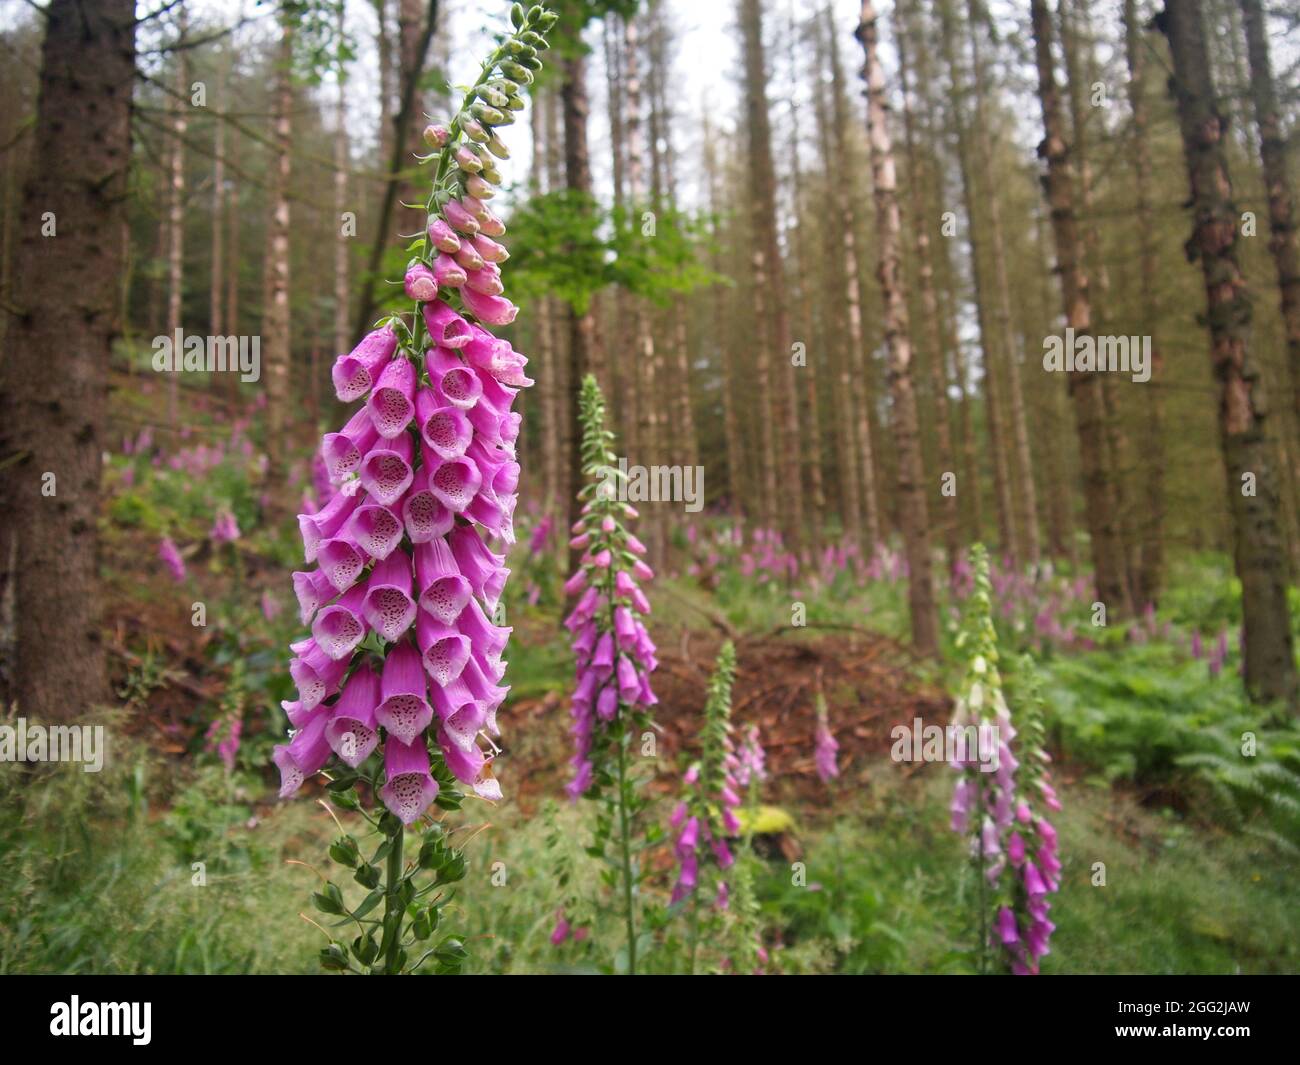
pixel 921 214
pixel 625 376
pixel 413 49
pixel 341 159
pixel 231 312
pixel 1084 387
pixel 736 482
pixel 1007 538
pixel 216 326
pixel 1115 441
pixel 1277 182
pixel 913 516
pixel 1151 554
pixel 772 316
pixel 801 298
pixel 1248 453
pixel 275 306
pixel 54 377
pixel 584 352
pixel 857 394
pixel 1027 497
pixel 176 221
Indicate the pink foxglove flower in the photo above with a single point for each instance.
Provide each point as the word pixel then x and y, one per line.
pixel 421 479
pixel 825 747
pixel 1014 848
pixel 171 558
pixel 615 655
pixel 706 817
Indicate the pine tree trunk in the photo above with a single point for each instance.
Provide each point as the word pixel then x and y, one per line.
pixel 921 215
pixel 1008 541
pixel 340 205
pixel 1151 554
pixel 1248 452
pixel 913 516
pixel 231 311
pixel 544 350
pixel 584 352
pixel 624 375
pixel 387 76
pixel 802 318
pixel 1277 181
pixel 1084 387
pixel 1027 496
pixel 216 326
pixel 54 376
pixel 1115 440
pixel 176 221
pixel 414 35
pixel 770 309
pixel 737 487
pixel 275 306
pixel 866 515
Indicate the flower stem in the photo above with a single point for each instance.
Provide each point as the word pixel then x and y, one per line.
pixel 695 926
pixel 392 904
pixel 625 833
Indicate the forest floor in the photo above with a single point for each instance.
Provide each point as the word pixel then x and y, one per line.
pixel 1177 858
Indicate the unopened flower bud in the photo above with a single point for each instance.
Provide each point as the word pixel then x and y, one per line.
pixel 489 250
pixel 435 136
pixel 442 237
pixel 518 72
pixel 491 224
pixel 469 256
pixel 486 280
pixel 486 114
pixel 467 160
pixel 420 283
pixel 493 96
pixel 478 188
pixel 475 207
pixel 448 272
pixel 460 219
pixel 498 147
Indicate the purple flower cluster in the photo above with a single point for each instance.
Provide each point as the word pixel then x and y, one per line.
pixel 992 803
pixel 614 653
pixel 706 815
pixel 703 822
pixel 825 746
pixel 403 603
pixel 749 763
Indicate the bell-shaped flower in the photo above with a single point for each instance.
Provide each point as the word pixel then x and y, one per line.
pixel 392 403
pixel 443 591
pixel 404 709
pixel 388 607
pixel 409 788
pixel 352 732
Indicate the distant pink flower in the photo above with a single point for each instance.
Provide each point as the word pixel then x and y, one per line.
pixel 824 753
pixel 171 558
pixel 225 529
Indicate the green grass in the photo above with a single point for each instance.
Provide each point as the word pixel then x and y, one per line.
pixel 95 878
